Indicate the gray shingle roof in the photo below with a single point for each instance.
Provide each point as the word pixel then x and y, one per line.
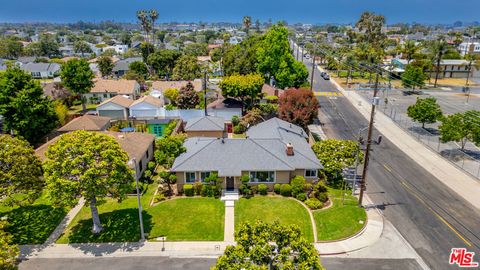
pixel 205 123
pixel 41 67
pixel 125 63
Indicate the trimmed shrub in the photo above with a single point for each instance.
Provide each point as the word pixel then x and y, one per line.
pixel 276 188
pixel 245 179
pixel 159 197
pixel 298 185
pixel 262 189
pixel 239 129
pixel 323 197
pixel 314 203
pixel 320 192
pixel 188 190
pixel 301 196
pixel 254 189
pixel 286 190
pixel 235 120
pixel 197 187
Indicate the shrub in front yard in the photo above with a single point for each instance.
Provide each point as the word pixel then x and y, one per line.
pixel 262 189
pixel 314 203
pixel 197 187
pixel 301 196
pixel 286 190
pixel 320 192
pixel 159 197
pixel 298 185
pixel 188 190
pixel 276 188
pixel 239 129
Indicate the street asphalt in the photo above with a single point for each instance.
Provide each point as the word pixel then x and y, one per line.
pixel 165 263
pixel 432 218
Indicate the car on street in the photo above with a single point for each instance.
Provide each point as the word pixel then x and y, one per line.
pixel 326 77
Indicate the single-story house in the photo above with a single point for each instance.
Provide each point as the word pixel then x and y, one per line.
pixel 87 122
pixel 139 147
pixel 206 126
pixel 146 107
pixel 105 89
pixel 42 70
pixel 164 85
pixel 449 68
pixel 115 108
pixel 122 66
pixel 273 152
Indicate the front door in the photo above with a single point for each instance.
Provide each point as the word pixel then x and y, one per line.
pixel 230 183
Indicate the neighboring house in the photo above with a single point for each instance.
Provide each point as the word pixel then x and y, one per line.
pixel 87 122
pixel 67 50
pixel 146 107
pixel 42 70
pixel 273 152
pixel 164 85
pixel 122 66
pixel 105 89
pixel 469 48
pixel 449 68
pixel 206 126
pixel 115 108
pixel 55 91
pixel 139 147
pixel 268 90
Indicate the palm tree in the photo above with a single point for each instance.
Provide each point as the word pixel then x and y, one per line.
pixel 153 18
pixel 247 22
pixel 409 49
pixel 349 63
pixel 472 61
pixel 438 48
pixel 142 17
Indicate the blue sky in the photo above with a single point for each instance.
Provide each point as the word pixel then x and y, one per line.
pixel 309 11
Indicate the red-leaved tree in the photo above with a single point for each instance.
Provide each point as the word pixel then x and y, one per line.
pixel 298 106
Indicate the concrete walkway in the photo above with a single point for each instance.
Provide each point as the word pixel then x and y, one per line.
pixel 66 220
pixel 229 225
pixel 456 179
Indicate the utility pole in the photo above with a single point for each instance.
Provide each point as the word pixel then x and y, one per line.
pixel 369 142
pixel 205 91
pixel 313 64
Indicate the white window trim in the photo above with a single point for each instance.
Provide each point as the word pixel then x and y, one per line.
pixel 305 173
pixel 274 177
pixel 185 177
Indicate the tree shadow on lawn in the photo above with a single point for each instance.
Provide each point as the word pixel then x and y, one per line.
pixel 118 226
pixel 33 224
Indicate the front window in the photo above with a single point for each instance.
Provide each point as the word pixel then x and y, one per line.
pixel 189 177
pixel 311 173
pixel 262 176
pixel 204 175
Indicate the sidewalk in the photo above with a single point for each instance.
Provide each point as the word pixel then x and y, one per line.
pixel 456 179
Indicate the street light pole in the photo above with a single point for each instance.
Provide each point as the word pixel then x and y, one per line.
pixel 313 65
pixel 142 233
pixel 369 143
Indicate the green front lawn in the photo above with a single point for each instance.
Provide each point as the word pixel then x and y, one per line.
pixel 269 209
pixel 32 224
pixel 187 219
pixel 192 219
pixel 79 109
pixel 340 220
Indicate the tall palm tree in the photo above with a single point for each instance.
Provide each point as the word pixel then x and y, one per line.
pixel 142 16
pixel 409 49
pixel 438 49
pixel 153 17
pixel 247 22
pixel 472 61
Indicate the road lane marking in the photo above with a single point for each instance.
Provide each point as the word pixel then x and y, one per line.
pixel 414 193
pixel 328 94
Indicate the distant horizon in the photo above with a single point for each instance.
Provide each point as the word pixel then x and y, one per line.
pixel 430 12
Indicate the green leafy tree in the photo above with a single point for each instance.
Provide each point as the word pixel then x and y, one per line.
pixel 425 111
pixel 171 94
pixel 105 65
pixel 269 246
pixel 461 127
pixel 20 171
pixel 86 164
pixel 48 46
pixel 168 149
pixel 26 111
pixel 126 38
pixel 409 49
pixel 196 49
pixel 163 61
pixel 241 58
pixel 187 68
pixel 146 49
pixel 8 250
pixel 81 47
pixel 244 87
pixel 336 155
pixel 274 59
pixel 413 77
pixel 10 48
pixel 62 112
pixel 77 77
pixel 139 68
pixel 187 97
pixel 370 26
pixel 298 106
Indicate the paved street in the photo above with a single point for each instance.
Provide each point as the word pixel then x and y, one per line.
pixel 431 217
pixel 165 263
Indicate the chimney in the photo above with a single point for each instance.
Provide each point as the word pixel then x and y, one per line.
pixel 289 149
